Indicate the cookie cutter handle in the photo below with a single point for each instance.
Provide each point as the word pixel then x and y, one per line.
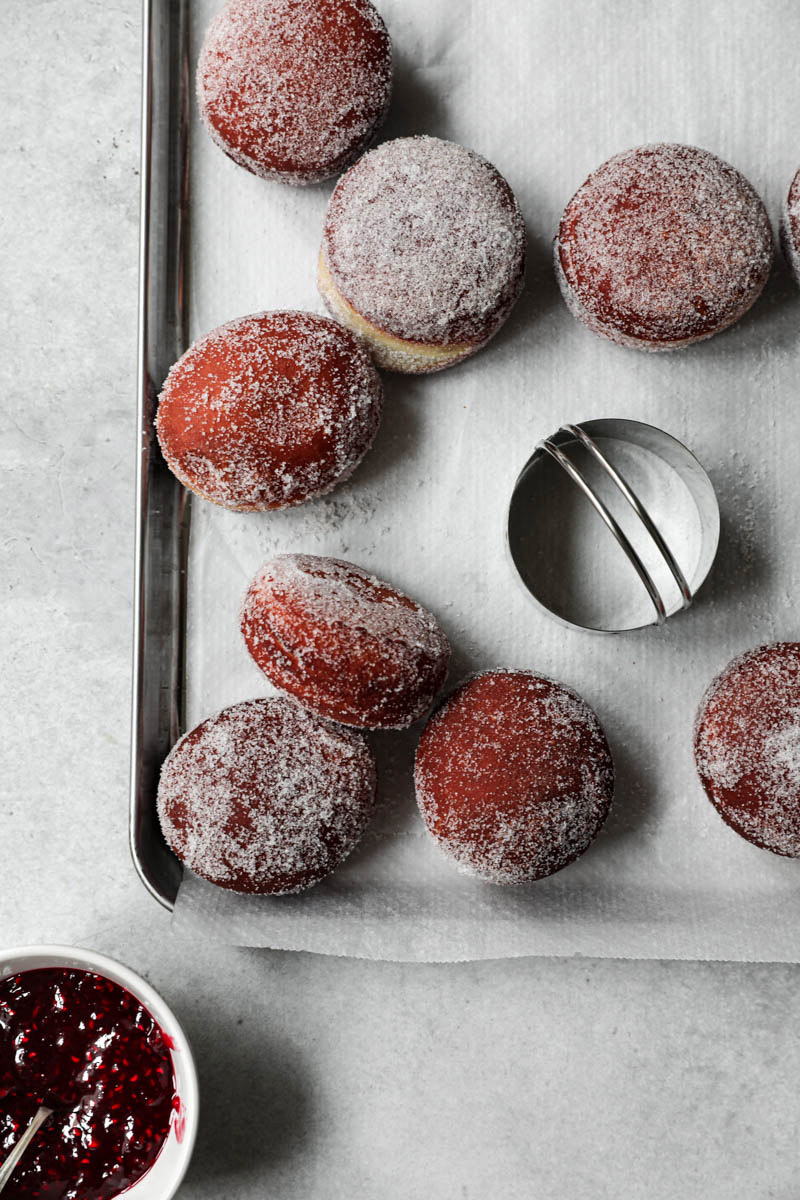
pixel 687 595
pixel 611 522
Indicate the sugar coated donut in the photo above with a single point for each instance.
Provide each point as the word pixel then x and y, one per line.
pixel 423 253
pixel 295 89
pixel 514 776
pixel 264 797
pixel 747 746
pixel 790 227
pixel 269 410
pixel 662 246
pixel 345 644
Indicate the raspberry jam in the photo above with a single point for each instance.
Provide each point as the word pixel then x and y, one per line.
pixel 87 1048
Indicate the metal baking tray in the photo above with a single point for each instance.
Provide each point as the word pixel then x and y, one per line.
pixel 692 909
pixel 162 505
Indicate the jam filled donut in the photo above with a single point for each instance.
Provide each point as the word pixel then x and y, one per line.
pixel 423 253
pixel 747 746
pixel 264 797
pixel 662 246
pixel 295 89
pixel 269 410
pixel 345 644
pixel 514 776
pixel 790 227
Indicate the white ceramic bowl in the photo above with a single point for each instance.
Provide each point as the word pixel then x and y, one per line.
pixel 164 1178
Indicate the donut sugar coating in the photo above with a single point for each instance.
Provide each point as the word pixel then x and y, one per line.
pixel 790 227
pixel 514 777
pixel 295 89
pixel 348 646
pixel 747 746
pixel 269 410
pixel 662 246
pixel 266 798
pixel 423 253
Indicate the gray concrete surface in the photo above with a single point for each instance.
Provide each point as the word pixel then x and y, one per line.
pixel 321 1077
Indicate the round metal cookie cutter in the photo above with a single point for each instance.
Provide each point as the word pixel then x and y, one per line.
pixel 613 525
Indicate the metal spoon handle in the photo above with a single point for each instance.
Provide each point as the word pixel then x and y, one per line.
pixel 22 1145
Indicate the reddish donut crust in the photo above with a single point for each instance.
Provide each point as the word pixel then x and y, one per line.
pixel 790 227
pixel 295 89
pixel 747 746
pixel 514 777
pixel 266 798
pixel 345 644
pixel 425 240
pixel 269 411
pixel 662 246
